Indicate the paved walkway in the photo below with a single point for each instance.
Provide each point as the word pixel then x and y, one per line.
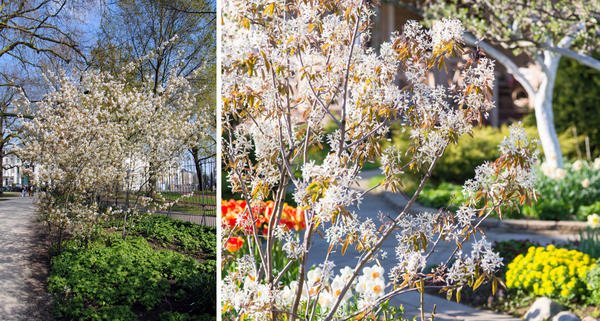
pixel 23 269
pixel 374 205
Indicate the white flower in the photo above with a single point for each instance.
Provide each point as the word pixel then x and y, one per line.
pixel 552 171
pixel 446 30
pixel 314 276
pixel 593 220
pixel 337 285
pixel 288 294
pixel 585 183
pixel 375 272
pixel 326 300
pixel 376 287
pixel 597 163
pixel 548 169
pixel 370 285
pixel 559 173
pixel 578 165
pixel 465 215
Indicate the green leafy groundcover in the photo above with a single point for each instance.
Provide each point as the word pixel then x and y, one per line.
pixel 185 237
pixel 115 278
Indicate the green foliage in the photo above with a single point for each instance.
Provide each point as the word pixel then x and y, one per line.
pixel 549 271
pixel 460 160
pixel 564 198
pixel 446 195
pixel 559 199
pixel 178 316
pixel 589 242
pixel 585 210
pixel 184 237
pixel 126 279
pixel 191 204
pixel 575 100
pixel 593 283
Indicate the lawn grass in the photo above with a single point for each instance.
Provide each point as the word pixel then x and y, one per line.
pixel 194 210
pixel 197 198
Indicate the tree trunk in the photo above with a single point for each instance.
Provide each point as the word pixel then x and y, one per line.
pixel 1 155
pixel 543 111
pixel 198 165
pixel 1 170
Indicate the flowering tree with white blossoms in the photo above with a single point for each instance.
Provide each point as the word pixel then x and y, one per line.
pixel 291 67
pixel 544 31
pixel 93 137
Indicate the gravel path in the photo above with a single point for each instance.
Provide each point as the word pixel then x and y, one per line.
pixel 23 262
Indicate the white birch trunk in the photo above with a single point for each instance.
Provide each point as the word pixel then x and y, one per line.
pixel 543 111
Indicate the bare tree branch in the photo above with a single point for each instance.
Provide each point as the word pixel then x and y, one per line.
pixel 583 59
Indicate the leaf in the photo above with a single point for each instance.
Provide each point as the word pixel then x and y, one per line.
pixel 478 282
pixel 245 23
pixel 345 246
pixel 494 285
pixel 269 9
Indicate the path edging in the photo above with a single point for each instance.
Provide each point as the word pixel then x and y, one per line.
pixel 508 224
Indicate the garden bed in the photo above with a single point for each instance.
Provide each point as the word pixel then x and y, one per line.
pixel 162 270
pixel 526 258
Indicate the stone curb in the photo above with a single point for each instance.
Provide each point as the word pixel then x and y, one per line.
pixel 507 224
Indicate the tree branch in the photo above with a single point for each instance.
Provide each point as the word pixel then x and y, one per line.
pixel 506 61
pixel 2 115
pixel 581 58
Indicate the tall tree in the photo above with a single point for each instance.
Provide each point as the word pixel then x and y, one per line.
pixel 31 31
pixel 173 38
pixel 542 30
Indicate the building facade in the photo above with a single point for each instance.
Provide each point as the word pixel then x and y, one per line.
pixel 12 172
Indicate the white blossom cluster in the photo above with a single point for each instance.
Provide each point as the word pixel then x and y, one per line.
pixel 464 267
pixel 292 68
pixel 96 135
pixel 513 172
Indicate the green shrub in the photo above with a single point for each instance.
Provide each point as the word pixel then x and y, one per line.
pixel 459 161
pixel 184 237
pixel 557 273
pixel 589 242
pixel 124 279
pixel 575 100
pixel 446 195
pixel 586 210
pixel 593 283
pixel 567 197
pixel 178 316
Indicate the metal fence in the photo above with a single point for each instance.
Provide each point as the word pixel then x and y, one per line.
pixel 190 187
pixel 194 184
pixel 189 176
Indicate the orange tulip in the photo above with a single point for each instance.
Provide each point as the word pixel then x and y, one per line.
pixel 234 244
pixel 231 210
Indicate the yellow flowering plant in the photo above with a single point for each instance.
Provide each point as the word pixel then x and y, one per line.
pixel 549 271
